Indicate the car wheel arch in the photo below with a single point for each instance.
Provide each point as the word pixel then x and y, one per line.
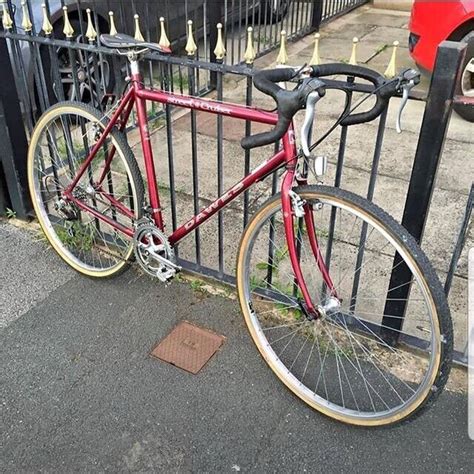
pixel 462 30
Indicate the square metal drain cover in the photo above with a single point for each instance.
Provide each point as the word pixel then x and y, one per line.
pixel 188 346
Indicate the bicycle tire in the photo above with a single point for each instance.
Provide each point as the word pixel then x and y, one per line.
pixel 129 175
pixel 442 338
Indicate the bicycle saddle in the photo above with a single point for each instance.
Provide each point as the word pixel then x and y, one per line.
pixel 121 41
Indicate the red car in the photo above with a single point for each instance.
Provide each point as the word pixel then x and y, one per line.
pixel 435 21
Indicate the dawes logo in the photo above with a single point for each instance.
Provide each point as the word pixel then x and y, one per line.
pixel 216 205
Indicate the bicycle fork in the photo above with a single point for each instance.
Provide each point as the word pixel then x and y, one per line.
pixel 293 206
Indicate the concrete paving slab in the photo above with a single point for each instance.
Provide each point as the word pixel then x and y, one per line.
pixel 387 35
pixel 371 16
pixel 25 255
pixel 346 32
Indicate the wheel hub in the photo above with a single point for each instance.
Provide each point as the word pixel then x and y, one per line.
pixel 332 306
pixel 81 75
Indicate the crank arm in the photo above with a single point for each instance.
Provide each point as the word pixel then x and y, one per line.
pixel 163 260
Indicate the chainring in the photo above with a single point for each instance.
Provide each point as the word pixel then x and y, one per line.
pixel 149 240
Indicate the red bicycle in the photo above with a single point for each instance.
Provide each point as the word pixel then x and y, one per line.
pixel 314 264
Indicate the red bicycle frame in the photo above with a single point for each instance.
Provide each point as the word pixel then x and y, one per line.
pixel 137 95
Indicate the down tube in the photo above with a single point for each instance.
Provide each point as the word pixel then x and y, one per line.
pixel 257 175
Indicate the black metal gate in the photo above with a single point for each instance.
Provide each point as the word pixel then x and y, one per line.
pixel 38 70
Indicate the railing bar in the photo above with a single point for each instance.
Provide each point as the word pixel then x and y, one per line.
pixel 20 69
pixel 220 176
pixel 337 183
pixel 271 245
pixel 168 74
pixel 197 70
pixel 294 22
pixel 248 131
pixel 460 241
pixel 191 80
pixel 240 30
pixel 370 195
pixel 37 80
pixel 257 32
pixel 232 34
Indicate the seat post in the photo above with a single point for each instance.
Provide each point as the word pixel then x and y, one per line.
pixel 133 59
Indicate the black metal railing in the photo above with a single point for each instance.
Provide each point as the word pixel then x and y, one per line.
pixel 31 67
pixel 41 68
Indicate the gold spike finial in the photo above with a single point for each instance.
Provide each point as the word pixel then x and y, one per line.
pixel 249 54
pixel 164 41
pixel 315 59
pixel 190 47
pixel 282 57
pixel 391 70
pixel 219 50
pixel 113 30
pixel 6 19
pixel 68 30
pixel 26 22
pixel 353 58
pixel 91 34
pixel 138 33
pixel 47 26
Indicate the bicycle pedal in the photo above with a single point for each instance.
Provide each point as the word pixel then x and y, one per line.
pixel 166 276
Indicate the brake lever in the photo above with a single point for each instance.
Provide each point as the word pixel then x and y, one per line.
pixel 412 78
pixel 406 91
pixel 306 129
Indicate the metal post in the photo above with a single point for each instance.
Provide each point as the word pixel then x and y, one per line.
pixel 316 14
pixel 428 154
pixel 461 240
pixel 13 143
pixel 214 16
pixel 4 204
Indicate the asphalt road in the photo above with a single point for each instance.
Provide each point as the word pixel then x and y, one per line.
pixel 80 392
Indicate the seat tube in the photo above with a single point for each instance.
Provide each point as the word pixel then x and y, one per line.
pixel 146 146
pixel 290 150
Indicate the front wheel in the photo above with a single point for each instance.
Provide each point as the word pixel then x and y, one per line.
pixel 345 362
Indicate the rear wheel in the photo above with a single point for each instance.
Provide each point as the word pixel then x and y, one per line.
pixel 60 143
pixel 345 363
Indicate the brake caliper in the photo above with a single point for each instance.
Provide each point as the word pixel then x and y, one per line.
pixel 297 204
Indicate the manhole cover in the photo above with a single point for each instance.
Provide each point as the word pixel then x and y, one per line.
pixel 188 346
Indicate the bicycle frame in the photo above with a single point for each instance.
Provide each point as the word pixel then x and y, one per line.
pixel 137 95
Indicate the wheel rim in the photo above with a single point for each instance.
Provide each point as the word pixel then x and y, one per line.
pixel 467 79
pixel 92 76
pixel 86 243
pixel 341 354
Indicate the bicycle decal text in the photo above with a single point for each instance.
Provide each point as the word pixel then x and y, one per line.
pixel 215 206
pixel 200 104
